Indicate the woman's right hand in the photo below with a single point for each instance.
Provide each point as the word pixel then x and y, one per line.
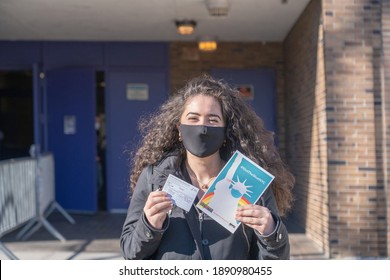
pixel 156 208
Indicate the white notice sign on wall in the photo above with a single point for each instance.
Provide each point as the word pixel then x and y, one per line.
pixel 69 124
pixel 137 92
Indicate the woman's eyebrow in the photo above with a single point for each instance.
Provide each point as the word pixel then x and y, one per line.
pixel 193 113
pixel 209 115
pixel 215 115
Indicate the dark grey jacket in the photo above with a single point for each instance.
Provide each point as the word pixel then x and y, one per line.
pixel 193 235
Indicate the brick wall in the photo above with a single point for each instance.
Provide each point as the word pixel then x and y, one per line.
pixel 352 41
pixel 385 109
pixel 187 62
pixel 306 123
pixel 335 126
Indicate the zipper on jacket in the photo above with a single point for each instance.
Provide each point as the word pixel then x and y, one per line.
pixel 201 222
pixel 201 218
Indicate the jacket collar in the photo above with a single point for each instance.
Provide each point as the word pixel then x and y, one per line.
pixel 169 164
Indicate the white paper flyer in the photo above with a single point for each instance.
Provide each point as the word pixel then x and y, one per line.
pixel 182 193
pixel 240 182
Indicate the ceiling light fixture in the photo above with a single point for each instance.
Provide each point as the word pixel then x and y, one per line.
pixel 218 8
pixel 185 27
pixel 207 44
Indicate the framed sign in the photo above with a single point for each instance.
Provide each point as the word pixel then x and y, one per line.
pixel 69 124
pixel 246 92
pixel 137 92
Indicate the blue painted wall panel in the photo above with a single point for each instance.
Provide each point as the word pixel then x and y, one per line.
pixel 122 126
pixel 73 54
pixel 19 54
pixel 72 93
pixel 137 54
pixel 83 54
pixel 264 87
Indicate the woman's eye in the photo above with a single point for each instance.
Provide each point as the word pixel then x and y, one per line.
pixel 192 119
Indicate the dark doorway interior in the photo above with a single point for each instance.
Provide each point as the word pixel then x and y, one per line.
pixel 16 114
pixel 100 128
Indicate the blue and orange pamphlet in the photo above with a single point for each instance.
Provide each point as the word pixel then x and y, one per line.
pixel 241 181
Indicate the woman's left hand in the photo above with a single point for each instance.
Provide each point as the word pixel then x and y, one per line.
pixel 256 217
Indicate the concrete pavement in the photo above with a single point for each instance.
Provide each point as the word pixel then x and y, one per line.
pixel 96 237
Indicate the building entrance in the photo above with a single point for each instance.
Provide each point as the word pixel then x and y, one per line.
pixel 16 114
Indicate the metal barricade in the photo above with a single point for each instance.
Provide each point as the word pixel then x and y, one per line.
pixel 46 200
pixel 17 195
pixel 27 197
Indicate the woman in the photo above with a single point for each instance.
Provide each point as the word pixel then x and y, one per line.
pixel 191 137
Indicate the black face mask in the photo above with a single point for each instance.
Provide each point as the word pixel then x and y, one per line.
pixel 201 140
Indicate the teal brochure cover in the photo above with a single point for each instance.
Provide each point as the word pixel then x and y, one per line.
pixel 241 181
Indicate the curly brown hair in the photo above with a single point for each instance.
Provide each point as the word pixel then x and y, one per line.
pixel 245 132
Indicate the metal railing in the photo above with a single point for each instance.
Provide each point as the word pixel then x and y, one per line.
pixel 17 195
pixel 27 197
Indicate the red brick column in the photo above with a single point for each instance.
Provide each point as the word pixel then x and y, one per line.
pixel 306 123
pixel 352 43
pixel 385 104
